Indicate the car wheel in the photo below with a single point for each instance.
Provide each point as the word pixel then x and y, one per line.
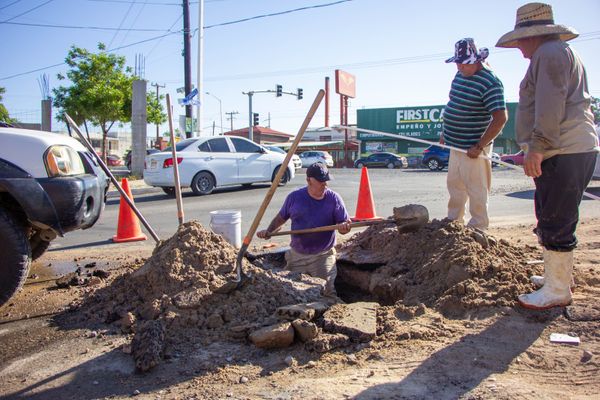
pixel 203 184
pixel 284 179
pixel 15 254
pixel 169 190
pixel 359 165
pixel 391 165
pixel 433 164
pixel 38 246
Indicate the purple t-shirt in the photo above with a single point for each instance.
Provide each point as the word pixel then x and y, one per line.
pixel 306 212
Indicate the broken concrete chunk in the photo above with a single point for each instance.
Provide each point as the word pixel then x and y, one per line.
pixel 326 342
pixel 305 330
pixel 148 344
pixel 127 322
pixel 307 311
pixel 356 320
pixel 274 336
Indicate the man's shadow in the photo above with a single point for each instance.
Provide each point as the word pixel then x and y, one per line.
pixel 457 369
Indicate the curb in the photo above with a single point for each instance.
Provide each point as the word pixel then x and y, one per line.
pixel 115 193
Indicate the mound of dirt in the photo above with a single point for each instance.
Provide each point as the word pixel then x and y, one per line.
pixel 176 290
pixel 444 265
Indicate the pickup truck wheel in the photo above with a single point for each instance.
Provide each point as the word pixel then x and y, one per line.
pixel 15 254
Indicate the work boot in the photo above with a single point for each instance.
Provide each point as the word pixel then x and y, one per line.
pixel 538 281
pixel 556 292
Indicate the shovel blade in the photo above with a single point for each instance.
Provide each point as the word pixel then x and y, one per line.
pixel 411 217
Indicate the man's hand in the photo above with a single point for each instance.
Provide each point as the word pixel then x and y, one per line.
pixel 344 227
pixel 533 164
pixel 473 152
pixel 264 234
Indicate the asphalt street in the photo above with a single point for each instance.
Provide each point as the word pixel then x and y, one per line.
pixel 511 202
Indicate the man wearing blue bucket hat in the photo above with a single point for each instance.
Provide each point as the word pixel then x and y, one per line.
pixel 473 118
pixel 312 206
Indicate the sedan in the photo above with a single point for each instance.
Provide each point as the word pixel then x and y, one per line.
pixel 308 158
pixel 295 159
pixel 515 159
pixel 209 163
pixel 387 160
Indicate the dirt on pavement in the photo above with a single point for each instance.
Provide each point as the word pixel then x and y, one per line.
pixel 448 326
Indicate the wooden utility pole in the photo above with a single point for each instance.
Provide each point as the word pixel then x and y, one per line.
pixel 231 114
pixel 187 64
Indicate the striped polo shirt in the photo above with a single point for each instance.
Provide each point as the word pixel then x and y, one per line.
pixel 473 99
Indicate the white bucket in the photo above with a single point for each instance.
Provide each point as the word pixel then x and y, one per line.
pixel 229 224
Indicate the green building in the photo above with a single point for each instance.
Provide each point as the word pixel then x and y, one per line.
pixel 424 123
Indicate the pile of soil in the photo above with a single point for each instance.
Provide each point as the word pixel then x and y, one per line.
pixel 443 265
pixel 173 298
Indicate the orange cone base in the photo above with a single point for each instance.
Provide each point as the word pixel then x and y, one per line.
pixel 116 238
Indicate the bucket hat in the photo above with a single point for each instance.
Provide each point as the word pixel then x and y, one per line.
pixel 465 52
pixel 535 19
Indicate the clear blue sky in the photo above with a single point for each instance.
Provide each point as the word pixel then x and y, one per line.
pixel 396 49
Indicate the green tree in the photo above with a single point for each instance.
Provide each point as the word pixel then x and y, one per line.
pixel 596 109
pixel 155 111
pixel 100 91
pixel 4 116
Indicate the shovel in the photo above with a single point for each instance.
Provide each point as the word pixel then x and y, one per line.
pixel 407 218
pixel 241 277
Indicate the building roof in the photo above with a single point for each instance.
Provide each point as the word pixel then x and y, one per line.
pixel 263 130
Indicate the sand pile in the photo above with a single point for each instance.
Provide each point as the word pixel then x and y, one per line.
pixel 171 297
pixel 443 265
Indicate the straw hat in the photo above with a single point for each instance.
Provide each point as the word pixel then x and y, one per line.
pixel 535 19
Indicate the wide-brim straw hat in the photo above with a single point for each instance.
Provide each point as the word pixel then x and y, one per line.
pixel 535 19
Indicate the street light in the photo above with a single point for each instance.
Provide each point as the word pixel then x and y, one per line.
pixel 220 109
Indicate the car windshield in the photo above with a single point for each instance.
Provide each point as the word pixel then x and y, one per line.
pixel 276 149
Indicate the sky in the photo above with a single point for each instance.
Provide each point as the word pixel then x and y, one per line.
pixel 395 49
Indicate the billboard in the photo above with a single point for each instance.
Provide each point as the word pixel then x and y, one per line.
pixel 345 83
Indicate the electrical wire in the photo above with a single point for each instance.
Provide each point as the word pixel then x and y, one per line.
pixel 27 12
pixel 8 5
pixel 100 28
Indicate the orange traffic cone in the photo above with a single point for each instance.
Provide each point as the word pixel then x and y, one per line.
pixel 128 229
pixel 365 207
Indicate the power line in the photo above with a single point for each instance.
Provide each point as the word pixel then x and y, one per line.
pixel 8 5
pixel 27 12
pixel 100 28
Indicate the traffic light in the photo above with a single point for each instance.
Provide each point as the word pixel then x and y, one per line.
pixel 255 116
pixel 278 91
pixel 299 94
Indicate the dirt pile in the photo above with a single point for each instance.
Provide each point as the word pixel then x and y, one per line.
pixel 175 289
pixel 444 265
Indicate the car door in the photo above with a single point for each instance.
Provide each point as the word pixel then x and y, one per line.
pixel 216 156
pixel 377 160
pixel 253 164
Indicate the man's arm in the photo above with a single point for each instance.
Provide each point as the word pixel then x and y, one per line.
pixel 272 228
pixel 499 118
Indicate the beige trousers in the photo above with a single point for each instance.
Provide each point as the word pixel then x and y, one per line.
pixel 321 265
pixel 469 179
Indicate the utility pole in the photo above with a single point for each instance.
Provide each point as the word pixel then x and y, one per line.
pixel 231 114
pixel 187 64
pixel 157 86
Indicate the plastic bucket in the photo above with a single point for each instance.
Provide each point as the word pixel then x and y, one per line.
pixel 228 223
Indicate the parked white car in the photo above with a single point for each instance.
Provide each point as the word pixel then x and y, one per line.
pixel 310 157
pixel 295 159
pixel 209 163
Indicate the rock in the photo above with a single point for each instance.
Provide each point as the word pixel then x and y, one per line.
pixel 352 359
pixel 305 311
pixel 244 379
pixel 150 311
pixel 214 321
pixel 311 364
pixel 587 356
pixel 274 336
pixel 326 342
pixel 289 361
pixel 358 321
pixel 127 322
pixel 305 330
pixel 148 344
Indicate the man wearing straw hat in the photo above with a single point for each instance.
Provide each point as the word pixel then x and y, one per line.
pixel 555 127
pixel 473 117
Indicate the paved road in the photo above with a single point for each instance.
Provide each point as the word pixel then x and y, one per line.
pixel 511 201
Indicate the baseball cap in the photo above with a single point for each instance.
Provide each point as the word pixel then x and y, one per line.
pixel 318 171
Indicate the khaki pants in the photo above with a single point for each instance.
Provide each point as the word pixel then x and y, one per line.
pixel 321 265
pixel 469 179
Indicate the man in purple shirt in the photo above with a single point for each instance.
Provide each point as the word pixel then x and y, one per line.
pixel 309 207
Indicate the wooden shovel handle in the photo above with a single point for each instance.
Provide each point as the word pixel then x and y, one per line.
pixel 328 228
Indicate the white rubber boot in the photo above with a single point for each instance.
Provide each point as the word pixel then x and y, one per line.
pixel 538 281
pixel 556 292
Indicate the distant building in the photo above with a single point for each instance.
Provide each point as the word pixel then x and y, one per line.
pixel 262 135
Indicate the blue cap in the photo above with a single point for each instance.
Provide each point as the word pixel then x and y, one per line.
pixel 318 171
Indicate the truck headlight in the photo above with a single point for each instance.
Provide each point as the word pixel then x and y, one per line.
pixel 61 160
